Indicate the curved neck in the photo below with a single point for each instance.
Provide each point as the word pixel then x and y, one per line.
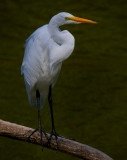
pixel 65 41
pixel 55 33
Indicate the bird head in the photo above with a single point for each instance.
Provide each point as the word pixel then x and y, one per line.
pixel 67 18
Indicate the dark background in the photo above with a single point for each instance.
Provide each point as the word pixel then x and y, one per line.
pixel 90 97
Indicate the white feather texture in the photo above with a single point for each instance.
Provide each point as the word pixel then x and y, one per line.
pixel 45 50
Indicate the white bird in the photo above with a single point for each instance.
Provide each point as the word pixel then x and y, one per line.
pixel 45 50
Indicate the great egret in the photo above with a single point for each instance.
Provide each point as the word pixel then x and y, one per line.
pixel 45 50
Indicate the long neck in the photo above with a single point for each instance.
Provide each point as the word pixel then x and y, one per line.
pixel 62 44
pixel 55 33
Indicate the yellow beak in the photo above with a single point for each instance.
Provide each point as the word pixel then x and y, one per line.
pixel 81 20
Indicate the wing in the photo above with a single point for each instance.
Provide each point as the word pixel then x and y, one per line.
pixel 34 55
pixel 35 51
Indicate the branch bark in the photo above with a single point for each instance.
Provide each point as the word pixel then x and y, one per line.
pixel 74 148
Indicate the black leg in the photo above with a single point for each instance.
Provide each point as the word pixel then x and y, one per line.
pixel 52 119
pixel 51 108
pixel 39 120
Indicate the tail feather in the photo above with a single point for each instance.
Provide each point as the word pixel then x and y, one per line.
pixel 33 101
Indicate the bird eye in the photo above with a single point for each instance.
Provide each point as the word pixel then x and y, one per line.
pixel 66 18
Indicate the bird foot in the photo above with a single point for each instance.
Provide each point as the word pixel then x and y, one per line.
pixel 41 134
pixel 53 133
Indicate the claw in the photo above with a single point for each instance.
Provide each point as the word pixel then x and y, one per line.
pixel 28 139
pixel 41 133
pixel 53 133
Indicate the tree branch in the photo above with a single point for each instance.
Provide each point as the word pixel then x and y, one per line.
pixel 74 148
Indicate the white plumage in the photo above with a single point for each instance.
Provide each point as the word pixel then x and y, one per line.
pixel 45 50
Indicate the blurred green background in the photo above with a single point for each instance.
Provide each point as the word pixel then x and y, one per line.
pixel 90 97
